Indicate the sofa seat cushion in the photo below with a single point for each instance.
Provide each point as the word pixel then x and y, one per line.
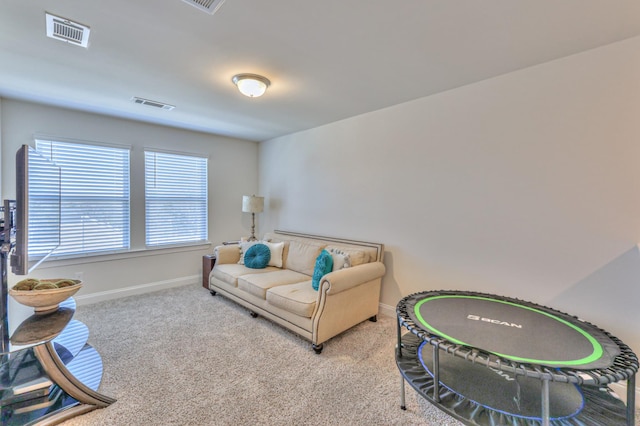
pixel 229 272
pixel 299 298
pixel 258 284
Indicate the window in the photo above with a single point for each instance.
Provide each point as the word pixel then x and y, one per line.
pixel 94 196
pixel 175 198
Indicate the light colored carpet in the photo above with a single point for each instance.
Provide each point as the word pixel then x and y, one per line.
pixel 183 357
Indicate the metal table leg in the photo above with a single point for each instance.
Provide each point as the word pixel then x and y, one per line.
pixel 57 371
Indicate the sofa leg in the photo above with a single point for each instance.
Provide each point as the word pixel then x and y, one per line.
pixel 253 314
pixel 317 348
pixel 213 292
pixel 374 318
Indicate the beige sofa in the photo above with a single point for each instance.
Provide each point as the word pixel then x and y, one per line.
pixel 283 293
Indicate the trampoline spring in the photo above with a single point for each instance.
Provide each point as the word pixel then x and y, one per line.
pixel 630 373
pixel 620 376
pixel 594 378
pixel 611 378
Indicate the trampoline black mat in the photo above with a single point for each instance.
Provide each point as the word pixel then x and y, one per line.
pixel 569 405
pixel 512 329
pixel 501 391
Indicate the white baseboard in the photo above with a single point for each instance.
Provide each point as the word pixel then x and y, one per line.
pixel 87 299
pixel 620 388
pixel 387 310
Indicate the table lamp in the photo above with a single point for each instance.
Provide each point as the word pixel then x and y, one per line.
pixel 252 204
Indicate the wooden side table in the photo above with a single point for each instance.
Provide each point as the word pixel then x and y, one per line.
pixel 208 260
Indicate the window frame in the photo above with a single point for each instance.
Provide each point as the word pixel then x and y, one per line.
pixel 174 200
pixel 116 193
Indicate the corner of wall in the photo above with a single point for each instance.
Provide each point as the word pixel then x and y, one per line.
pixel 1 180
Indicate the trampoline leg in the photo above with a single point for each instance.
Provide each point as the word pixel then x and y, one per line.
pixel 631 400
pixel 399 347
pixel 436 372
pixel 545 402
pixel 403 404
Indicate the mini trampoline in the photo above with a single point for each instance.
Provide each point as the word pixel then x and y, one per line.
pixel 493 360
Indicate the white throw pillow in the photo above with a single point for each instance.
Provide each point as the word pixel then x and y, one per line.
pixel 357 257
pixel 276 253
pixel 341 259
pixel 244 246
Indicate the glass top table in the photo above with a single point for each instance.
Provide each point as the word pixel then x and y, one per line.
pixel 48 371
pixel 27 329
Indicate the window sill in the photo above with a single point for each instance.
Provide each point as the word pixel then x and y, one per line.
pixel 134 253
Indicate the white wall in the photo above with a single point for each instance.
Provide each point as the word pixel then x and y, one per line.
pixel 602 293
pixel 1 188
pixel 521 185
pixel 233 171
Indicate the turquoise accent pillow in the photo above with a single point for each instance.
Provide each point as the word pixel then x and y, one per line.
pixel 324 265
pixel 257 256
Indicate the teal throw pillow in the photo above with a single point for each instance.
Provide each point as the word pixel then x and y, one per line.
pixel 324 265
pixel 257 256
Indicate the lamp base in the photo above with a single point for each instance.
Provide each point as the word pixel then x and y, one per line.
pixel 253 228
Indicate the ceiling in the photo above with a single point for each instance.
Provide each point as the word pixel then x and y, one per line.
pixel 326 60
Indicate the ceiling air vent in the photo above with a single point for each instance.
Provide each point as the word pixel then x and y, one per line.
pixel 67 31
pixel 154 104
pixel 209 6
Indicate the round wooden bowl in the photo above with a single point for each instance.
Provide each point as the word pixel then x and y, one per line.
pixel 47 300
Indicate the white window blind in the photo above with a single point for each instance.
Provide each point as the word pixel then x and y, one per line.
pixel 175 198
pixel 94 196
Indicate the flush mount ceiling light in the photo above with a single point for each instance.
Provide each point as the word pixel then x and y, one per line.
pixel 251 85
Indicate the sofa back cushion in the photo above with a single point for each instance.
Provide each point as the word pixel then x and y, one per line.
pixel 301 256
pixel 357 253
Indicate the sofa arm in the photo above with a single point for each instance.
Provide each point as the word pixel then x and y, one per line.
pixel 343 279
pixel 346 297
pixel 227 254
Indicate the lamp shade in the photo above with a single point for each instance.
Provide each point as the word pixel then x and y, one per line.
pixel 252 204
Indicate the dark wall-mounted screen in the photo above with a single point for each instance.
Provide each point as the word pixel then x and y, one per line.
pixel 38 200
